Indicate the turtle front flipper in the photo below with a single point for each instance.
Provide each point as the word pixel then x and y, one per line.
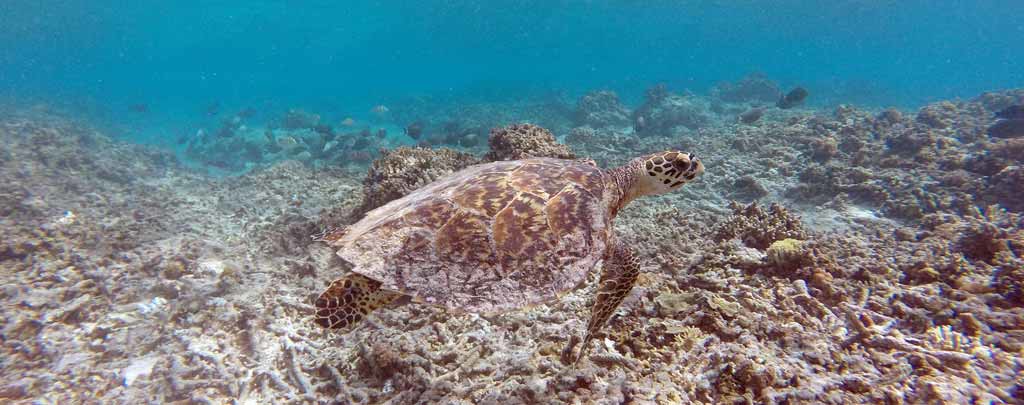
pixel 617 278
pixel 350 299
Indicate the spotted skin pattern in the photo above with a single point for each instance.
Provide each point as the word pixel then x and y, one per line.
pixel 617 280
pixel 350 299
pixel 672 168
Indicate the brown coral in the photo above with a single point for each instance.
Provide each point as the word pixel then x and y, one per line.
pixel 400 171
pixel 520 141
pixel 757 227
pixel 600 109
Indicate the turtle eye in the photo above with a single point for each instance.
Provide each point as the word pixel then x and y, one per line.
pixel 681 163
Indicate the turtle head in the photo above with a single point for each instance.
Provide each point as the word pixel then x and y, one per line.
pixel 663 172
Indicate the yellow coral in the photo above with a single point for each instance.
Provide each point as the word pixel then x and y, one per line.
pixel 786 253
pixel 945 338
pixel 724 307
pixel 672 304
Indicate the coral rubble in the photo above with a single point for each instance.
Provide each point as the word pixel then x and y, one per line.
pixel 876 258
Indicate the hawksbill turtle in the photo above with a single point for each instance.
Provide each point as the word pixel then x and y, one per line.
pixel 499 236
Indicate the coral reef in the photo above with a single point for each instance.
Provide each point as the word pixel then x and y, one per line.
pixel 600 109
pixel 882 264
pixel 520 141
pixel 299 135
pixel 398 172
pixel 759 228
pixel 465 123
pixel 663 112
pixel 402 170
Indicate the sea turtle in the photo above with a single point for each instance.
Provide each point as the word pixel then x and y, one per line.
pixel 499 236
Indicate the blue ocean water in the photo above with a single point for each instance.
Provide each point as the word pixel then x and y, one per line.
pixel 107 58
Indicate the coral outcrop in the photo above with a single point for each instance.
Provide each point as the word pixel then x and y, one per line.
pixel 663 112
pixel 600 109
pixel 759 228
pixel 519 141
pixel 400 171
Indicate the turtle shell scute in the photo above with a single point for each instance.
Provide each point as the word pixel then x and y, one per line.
pixel 489 238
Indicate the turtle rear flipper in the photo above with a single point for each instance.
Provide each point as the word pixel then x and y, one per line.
pixel 350 299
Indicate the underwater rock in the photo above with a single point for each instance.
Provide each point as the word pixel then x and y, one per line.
pixel 1008 280
pixel 599 109
pixel 1005 188
pixel 520 141
pixel 938 115
pixel 400 171
pixel 755 87
pixel 1011 128
pixel 792 99
pixel 663 112
pixel 995 101
pixel 1013 112
pixel 890 116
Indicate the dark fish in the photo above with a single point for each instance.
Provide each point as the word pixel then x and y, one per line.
pixel 247 112
pixel 414 130
pixel 792 99
pixel 752 115
pixel 324 129
pixel 1007 129
pixel 382 133
pixel 139 108
pixel 1013 112
pixel 361 143
pixel 212 109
